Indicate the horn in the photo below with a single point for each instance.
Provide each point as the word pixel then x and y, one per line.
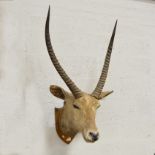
pixel 71 85
pixel 104 72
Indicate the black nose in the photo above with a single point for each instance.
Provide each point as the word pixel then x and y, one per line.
pixel 94 136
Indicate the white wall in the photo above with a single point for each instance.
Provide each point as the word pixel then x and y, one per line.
pixel 80 32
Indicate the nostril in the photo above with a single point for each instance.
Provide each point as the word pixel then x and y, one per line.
pixel 94 136
pixel 91 133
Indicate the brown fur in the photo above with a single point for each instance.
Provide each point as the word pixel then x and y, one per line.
pixel 79 110
pixel 73 120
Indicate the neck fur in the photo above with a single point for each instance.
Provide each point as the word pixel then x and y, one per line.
pixel 63 126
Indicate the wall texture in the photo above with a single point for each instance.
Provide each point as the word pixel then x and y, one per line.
pixel 80 32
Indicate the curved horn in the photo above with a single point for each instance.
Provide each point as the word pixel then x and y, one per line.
pixel 104 73
pixel 71 85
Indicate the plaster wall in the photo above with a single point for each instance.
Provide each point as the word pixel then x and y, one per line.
pixel 80 31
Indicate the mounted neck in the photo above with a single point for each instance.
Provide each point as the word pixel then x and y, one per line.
pixel 63 132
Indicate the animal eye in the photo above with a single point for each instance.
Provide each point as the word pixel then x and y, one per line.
pixel 75 106
pixel 98 106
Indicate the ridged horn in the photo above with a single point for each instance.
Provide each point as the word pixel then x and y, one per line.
pixel 71 85
pixel 96 93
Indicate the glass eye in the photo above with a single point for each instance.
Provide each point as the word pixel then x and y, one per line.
pixel 75 106
pixel 98 106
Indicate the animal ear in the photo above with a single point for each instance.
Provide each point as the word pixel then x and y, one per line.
pixel 104 94
pixel 59 92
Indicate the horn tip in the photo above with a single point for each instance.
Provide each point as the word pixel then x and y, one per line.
pixel 47 20
pixel 49 8
pixel 115 24
pixel 114 30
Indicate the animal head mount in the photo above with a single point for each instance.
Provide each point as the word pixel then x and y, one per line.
pixel 79 110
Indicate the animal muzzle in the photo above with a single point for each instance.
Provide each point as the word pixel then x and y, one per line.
pixel 91 135
pixel 94 136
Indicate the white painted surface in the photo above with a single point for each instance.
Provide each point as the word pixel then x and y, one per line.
pixel 80 31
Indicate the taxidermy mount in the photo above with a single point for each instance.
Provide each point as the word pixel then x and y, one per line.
pixel 79 110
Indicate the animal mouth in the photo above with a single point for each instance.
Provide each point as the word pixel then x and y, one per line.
pixel 89 139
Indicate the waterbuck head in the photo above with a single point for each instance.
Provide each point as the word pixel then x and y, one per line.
pixel 79 110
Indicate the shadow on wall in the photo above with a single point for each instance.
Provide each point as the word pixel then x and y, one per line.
pixel 54 143
pixel 146 1
pixel 2 11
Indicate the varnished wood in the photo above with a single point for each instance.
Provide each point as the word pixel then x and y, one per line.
pixel 66 138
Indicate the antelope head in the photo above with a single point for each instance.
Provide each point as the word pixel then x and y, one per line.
pixel 79 110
